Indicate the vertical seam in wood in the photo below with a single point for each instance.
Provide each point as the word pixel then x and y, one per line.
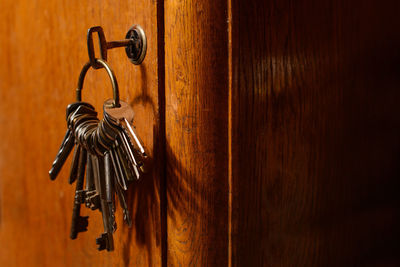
pixel 230 133
pixel 162 130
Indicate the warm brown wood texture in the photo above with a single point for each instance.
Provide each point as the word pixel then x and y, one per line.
pixel 43 48
pixel 315 133
pixel 273 127
pixel 196 92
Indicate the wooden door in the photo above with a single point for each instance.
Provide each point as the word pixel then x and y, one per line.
pixel 272 126
pixel 43 48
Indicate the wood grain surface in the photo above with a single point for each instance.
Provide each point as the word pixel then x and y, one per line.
pixel 315 133
pixel 43 48
pixel 196 92
pixel 273 129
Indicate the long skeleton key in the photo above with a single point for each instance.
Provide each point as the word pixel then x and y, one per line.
pixel 109 190
pixel 92 199
pixel 65 150
pixel 105 241
pixel 79 223
pixel 74 165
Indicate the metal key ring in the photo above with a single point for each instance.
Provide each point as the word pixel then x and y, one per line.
pixel 110 72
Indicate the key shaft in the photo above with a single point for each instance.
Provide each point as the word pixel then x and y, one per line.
pixel 65 150
pixel 79 223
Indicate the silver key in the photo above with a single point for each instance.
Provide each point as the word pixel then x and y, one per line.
pixel 126 147
pixel 121 118
pixel 126 170
pixel 137 142
pixel 122 201
pixel 118 169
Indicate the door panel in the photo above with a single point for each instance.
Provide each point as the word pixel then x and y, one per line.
pixel 43 48
pixel 315 128
pixel 196 92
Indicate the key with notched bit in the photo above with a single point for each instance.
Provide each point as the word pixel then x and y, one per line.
pixel 92 198
pixel 119 173
pixel 79 223
pixel 109 191
pixel 105 241
pixel 67 143
pixel 127 152
pixel 122 201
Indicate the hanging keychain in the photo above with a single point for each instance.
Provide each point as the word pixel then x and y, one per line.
pixel 109 151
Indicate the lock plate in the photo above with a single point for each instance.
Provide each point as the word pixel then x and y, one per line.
pixel 136 50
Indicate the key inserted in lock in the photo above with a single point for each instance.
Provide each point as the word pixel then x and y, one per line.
pixel 135 45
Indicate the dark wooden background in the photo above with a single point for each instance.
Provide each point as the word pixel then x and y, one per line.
pixel 315 133
pixel 273 127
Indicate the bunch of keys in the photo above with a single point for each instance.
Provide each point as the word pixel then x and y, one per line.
pixel 108 152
